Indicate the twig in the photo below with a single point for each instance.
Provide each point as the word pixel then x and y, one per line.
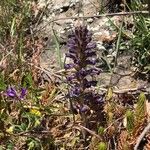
pixel 41 15
pixel 113 123
pixel 95 16
pixel 88 130
pixel 9 53
pixel 71 106
pixel 118 43
pixel 31 132
pixel 124 90
pixel 147 128
pixel 128 90
pixel 47 72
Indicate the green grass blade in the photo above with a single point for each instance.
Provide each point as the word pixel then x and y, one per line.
pixel 58 51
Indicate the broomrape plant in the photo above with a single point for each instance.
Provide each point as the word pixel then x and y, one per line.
pixel 82 71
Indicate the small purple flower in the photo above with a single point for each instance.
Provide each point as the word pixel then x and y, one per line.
pixel 71 42
pixel 23 93
pixel 90 53
pixel 11 92
pixel 69 66
pixel 91 45
pixel 91 61
pixel 81 73
pixel 74 92
pixel 88 84
pixel 93 71
pixel 71 77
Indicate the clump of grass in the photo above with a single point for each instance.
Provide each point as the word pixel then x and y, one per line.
pixel 141 37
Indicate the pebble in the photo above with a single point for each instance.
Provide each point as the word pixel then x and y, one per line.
pixel 100 46
pixel 90 20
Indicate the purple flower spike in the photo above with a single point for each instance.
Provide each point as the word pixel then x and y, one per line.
pixel 23 93
pixel 82 70
pixel 11 92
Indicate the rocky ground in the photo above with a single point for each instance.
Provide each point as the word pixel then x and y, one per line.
pixel 104 33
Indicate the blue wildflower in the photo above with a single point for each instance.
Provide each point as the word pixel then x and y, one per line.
pixel 13 93
pixel 23 93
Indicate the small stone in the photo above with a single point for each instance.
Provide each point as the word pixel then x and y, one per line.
pixel 100 46
pixel 61 10
pixel 114 53
pixel 90 20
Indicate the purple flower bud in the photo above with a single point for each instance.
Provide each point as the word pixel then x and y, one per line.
pixel 88 84
pixel 72 46
pixel 74 92
pixel 23 93
pixel 69 66
pixel 71 77
pixel 84 30
pixel 88 37
pixel 82 73
pixel 71 41
pixel 91 61
pixel 90 53
pixel 11 92
pixel 91 45
pixel 94 71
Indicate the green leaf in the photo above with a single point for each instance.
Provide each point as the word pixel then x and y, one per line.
pixel 130 120
pixel 140 110
pixel 101 130
pixel 102 146
pixel 10 146
pixel 109 94
pixel 27 80
pixel 58 51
